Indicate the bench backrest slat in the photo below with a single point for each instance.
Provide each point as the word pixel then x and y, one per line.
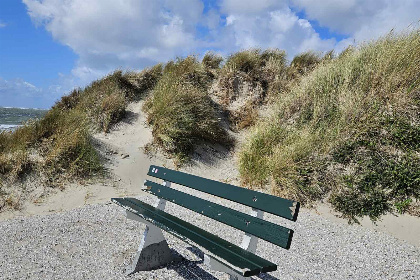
pixel 268 231
pixel 285 208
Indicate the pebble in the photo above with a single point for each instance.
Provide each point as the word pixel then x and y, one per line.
pixel 98 242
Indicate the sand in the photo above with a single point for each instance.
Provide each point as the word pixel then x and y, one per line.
pixel 127 164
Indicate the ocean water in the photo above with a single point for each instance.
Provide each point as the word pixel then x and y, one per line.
pixel 11 118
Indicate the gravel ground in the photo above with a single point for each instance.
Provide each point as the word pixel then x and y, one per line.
pixel 97 242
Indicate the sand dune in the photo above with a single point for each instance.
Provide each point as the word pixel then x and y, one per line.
pixel 127 164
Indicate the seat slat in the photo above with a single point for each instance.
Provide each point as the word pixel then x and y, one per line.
pixel 268 231
pixel 243 262
pixel 285 208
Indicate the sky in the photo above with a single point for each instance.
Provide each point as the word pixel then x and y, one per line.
pixel 49 47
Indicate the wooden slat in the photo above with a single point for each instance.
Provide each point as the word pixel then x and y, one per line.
pixel 268 231
pixel 285 208
pixel 242 261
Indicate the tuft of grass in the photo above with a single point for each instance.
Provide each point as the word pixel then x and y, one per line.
pixel 180 111
pixel 304 63
pixel 146 80
pixel 348 131
pixel 256 64
pixel 247 61
pixel 247 78
pixel 212 61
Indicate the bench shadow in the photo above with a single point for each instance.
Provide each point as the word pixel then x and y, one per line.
pixel 266 276
pixel 200 255
pixel 189 269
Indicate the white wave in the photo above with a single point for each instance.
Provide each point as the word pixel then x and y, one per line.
pixel 23 108
pixel 9 126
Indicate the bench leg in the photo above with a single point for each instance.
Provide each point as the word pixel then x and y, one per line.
pixel 249 243
pixel 216 265
pixel 153 251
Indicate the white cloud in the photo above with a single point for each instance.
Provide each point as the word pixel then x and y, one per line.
pixel 137 33
pixel 269 24
pixel 111 34
pixel 361 19
pixel 249 6
pixel 2 24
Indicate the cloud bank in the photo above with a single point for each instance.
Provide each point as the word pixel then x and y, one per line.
pixel 133 34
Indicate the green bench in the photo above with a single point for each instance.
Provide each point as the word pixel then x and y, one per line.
pixel 221 255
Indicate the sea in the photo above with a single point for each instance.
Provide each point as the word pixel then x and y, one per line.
pixel 11 118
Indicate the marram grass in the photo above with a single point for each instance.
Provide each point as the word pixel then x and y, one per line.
pixel 348 131
pixel 180 111
pixel 59 146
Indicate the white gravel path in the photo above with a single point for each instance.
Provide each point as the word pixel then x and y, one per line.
pixel 97 242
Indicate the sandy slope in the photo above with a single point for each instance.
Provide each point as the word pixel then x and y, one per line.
pixel 127 164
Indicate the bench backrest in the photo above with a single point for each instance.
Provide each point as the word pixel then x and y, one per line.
pixel 268 231
pixel 282 207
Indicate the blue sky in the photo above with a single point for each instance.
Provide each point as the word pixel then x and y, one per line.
pixel 48 47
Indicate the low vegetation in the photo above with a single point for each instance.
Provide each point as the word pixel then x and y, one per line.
pixel 344 128
pixel 348 130
pixel 58 147
pixel 245 81
pixel 181 112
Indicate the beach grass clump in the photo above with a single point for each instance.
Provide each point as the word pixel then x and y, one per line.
pixel 59 146
pixel 180 111
pixel 145 80
pixel 211 63
pixel 104 101
pixel 348 131
pixel 304 63
pixel 212 60
pixel 254 65
pixel 245 81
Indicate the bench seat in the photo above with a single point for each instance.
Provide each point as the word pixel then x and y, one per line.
pixel 243 262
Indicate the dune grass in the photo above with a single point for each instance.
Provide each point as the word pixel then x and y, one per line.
pixel 349 131
pixel 254 66
pixel 181 112
pixel 344 128
pixel 250 76
pixel 59 146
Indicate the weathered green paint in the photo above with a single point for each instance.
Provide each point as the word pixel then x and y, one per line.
pixel 243 262
pixel 268 231
pixel 285 208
